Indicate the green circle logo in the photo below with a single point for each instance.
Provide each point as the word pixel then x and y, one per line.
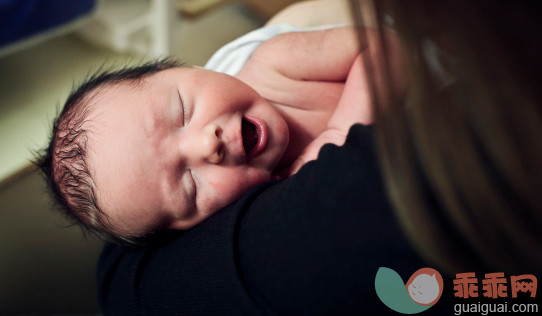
pixel 422 290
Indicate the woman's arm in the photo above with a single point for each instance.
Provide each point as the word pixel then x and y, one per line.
pixel 321 12
pixel 305 14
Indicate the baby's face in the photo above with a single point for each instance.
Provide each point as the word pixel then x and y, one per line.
pixel 180 146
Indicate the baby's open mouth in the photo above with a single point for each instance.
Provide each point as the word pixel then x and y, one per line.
pixel 254 132
pixel 250 135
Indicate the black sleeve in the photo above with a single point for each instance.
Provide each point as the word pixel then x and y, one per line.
pixel 311 244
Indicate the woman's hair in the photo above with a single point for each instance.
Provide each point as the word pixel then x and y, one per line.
pixel 64 161
pixel 461 149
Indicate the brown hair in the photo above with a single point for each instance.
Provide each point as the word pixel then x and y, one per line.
pixel 462 149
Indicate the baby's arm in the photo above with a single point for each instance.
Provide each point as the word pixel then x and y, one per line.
pixel 316 62
pixel 353 107
pixel 356 104
pixel 318 65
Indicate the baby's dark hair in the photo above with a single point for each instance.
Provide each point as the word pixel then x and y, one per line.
pixel 64 161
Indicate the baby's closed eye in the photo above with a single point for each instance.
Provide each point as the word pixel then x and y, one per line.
pixel 187 110
pixel 189 185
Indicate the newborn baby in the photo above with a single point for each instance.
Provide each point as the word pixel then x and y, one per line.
pixel 164 147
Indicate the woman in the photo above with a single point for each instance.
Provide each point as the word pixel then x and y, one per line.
pixel 460 151
pixel 450 172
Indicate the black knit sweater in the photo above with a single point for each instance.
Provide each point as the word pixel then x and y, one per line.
pixel 307 245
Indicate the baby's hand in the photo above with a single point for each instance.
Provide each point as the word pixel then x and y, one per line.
pixel 353 107
pixel 330 136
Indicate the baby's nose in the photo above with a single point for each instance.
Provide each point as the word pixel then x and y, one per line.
pixel 211 146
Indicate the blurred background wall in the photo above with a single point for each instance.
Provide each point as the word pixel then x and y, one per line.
pixel 45 266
